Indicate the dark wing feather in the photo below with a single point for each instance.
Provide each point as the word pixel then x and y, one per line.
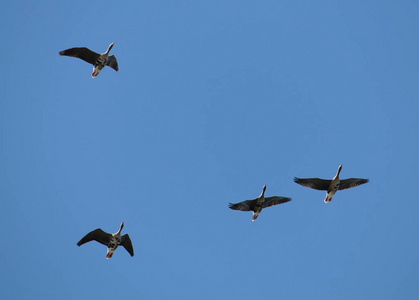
pixel 97 235
pixel 274 200
pixel 111 62
pixel 314 183
pixel 351 182
pixel 126 243
pixel 243 206
pixel 82 53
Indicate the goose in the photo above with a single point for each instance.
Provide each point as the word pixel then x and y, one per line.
pixel 99 61
pixel 256 205
pixel 330 185
pixel 112 241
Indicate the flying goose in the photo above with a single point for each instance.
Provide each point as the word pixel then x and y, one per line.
pixel 99 61
pixel 256 205
pixel 112 241
pixel 330 185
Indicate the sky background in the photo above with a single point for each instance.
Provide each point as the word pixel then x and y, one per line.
pixel 212 100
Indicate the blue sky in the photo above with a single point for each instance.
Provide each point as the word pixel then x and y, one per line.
pixel 212 100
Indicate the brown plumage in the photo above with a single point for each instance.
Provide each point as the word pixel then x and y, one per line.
pixel 99 61
pixel 256 205
pixel 330 185
pixel 112 241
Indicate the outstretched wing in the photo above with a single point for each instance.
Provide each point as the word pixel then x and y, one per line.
pixel 126 243
pixel 351 182
pixel 243 206
pixel 274 200
pixel 111 62
pixel 97 235
pixel 82 53
pixel 314 183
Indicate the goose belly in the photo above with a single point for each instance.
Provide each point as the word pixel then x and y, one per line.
pixel 256 211
pixel 331 193
pixel 100 64
pixel 113 244
pixel 96 70
pixel 109 253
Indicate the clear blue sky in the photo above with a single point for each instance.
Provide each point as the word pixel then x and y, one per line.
pixel 213 100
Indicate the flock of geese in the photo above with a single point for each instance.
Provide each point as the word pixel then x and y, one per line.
pixel 112 241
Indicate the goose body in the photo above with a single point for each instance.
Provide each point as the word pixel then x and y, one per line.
pixel 99 61
pixel 112 241
pixel 256 205
pixel 331 186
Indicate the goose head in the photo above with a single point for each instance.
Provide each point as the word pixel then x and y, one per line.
pixel 109 48
pixel 263 192
pixel 339 169
pixel 120 228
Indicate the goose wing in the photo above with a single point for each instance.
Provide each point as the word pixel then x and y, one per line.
pixel 274 200
pixel 351 182
pixel 97 235
pixel 111 62
pixel 82 53
pixel 126 243
pixel 314 183
pixel 243 206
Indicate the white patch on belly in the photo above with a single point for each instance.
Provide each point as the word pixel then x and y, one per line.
pixel 109 253
pixel 95 72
